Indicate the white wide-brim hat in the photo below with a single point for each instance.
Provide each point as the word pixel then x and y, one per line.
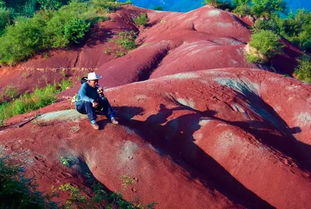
pixel 93 76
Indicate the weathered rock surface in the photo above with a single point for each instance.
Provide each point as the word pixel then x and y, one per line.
pixel 219 135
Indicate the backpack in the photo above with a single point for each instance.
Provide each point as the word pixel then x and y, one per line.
pixel 83 80
pixel 75 97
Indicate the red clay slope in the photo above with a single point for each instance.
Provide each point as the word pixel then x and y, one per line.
pixel 220 138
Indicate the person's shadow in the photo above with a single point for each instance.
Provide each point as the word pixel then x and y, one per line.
pixel 123 113
pixel 174 138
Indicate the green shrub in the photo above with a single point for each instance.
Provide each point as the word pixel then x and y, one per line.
pixel 221 4
pixel 52 4
pixel 6 18
pixel 272 24
pixel 108 5
pixel 266 43
pixel 68 19
pixel 32 101
pixel 243 10
pixel 303 70
pixel 18 192
pixel 127 39
pixel 20 41
pixel 75 30
pixel 29 8
pixel 141 19
pixel 25 8
pixel 297 28
pixel 266 8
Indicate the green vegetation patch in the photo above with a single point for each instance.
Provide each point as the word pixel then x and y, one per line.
pixel 99 196
pixel 6 18
pixel 127 39
pixel 141 19
pixel 303 70
pixel 221 4
pixel 266 44
pixel 57 26
pixel 28 102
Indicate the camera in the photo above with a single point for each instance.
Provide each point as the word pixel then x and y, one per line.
pixel 100 90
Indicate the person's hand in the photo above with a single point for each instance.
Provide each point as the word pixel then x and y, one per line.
pixel 95 104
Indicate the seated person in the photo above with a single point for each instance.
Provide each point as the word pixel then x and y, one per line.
pixel 91 99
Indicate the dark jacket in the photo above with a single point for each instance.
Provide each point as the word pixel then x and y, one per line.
pixel 87 94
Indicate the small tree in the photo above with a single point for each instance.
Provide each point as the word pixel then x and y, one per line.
pixel 262 46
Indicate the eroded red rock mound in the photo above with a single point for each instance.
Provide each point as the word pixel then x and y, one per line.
pixel 222 138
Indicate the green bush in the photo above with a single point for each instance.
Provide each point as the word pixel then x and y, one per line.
pixel 20 41
pixel 266 8
pixel 25 8
pixel 221 4
pixel 6 18
pixel 266 43
pixel 258 8
pixel 52 4
pixel 75 30
pixel 67 20
pixel 141 19
pixel 29 8
pixel 272 24
pixel 108 5
pixel 243 10
pixel 127 39
pixel 303 70
pixel 18 192
pixel 297 28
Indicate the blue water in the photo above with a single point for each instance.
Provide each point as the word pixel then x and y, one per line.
pixel 187 5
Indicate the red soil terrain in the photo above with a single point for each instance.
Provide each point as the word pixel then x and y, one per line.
pixel 199 126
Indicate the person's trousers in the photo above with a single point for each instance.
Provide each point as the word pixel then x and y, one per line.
pixel 103 108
